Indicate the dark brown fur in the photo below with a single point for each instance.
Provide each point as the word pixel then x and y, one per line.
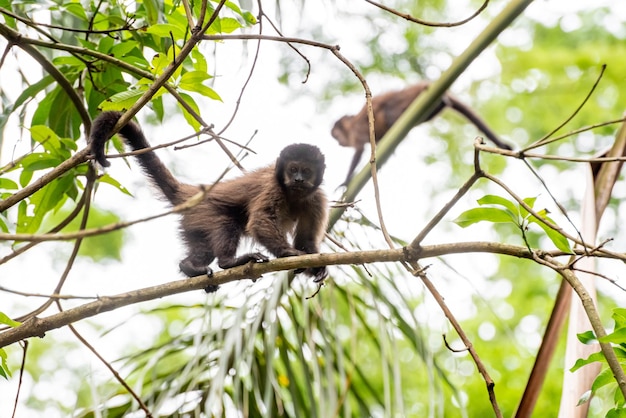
pixel 353 130
pixel 268 204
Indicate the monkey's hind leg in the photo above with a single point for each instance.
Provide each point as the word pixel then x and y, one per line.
pixel 225 241
pixel 197 265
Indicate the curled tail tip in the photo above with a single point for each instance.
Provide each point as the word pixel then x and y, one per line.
pixel 101 159
pixel 100 133
pixel 97 150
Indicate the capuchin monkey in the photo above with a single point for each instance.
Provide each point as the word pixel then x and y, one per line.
pixel 353 130
pixel 267 204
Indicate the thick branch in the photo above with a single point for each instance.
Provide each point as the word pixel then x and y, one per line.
pixel 39 326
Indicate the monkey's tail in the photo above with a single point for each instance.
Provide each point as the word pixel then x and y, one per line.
pixel 463 109
pixel 152 166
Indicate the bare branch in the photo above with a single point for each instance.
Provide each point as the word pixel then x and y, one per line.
pixel 34 327
pixel 426 22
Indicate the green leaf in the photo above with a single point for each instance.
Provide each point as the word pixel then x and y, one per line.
pixel 46 137
pixel 121 101
pixel 617 337
pixel 591 359
pixel 105 178
pixel 8 20
pixel 558 239
pixel 161 61
pixel 604 378
pixel 76 9
pixel 152 11
pixel 3 225
pixel 530 201
pixel 194 77
pixel 192 81
pixel 618 412
pixel 618 396
pixel 166 30
pixel 233 6
pixel 199 61
pixel 474 215
pixel 229 25
pixel 34 162
pixel 7 184
pixel 249 18
pixel 25 177
pixel 69 61
pixel 120 49
pixel 4 368
pixel 190 119
pixel 498 200
pixel 587 337
pixel 4 319
pixel 619 316
pixel 51 197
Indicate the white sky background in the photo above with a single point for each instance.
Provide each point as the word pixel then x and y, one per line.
pixel 281 117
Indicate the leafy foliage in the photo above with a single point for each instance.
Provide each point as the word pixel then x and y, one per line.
pixel 605 379
pixel 500 210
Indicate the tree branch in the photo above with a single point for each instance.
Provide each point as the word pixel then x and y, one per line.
pixel 39 326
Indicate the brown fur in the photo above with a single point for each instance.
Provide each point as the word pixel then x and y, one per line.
pixel 353 130
pixel 268 204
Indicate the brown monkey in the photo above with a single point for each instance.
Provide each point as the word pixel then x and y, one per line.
pixel 353 130
pixel 266 204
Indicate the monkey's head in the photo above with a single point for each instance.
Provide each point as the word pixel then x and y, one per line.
pixel 300 169
pixel 340 131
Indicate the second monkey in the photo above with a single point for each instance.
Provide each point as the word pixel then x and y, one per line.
pixel 353 130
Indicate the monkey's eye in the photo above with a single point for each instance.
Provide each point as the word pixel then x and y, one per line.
pixel 306 171
pixel 293 169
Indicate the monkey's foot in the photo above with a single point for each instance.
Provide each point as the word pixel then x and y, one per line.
pixel 191 270
pixel 211 288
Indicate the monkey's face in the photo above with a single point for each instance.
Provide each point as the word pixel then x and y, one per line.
pixel 300 169
pixel 301 176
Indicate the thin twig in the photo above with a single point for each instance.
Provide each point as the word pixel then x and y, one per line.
pixel 19 382
pixel 108 365
pixel 466 341
pixel 546 139
pixel 426 22
pixel 68 236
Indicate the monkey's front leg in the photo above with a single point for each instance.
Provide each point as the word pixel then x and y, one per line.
pixel 318 273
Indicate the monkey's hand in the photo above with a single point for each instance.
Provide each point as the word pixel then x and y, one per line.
pixel 291 252
pixel 241 260
pixel 318 273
